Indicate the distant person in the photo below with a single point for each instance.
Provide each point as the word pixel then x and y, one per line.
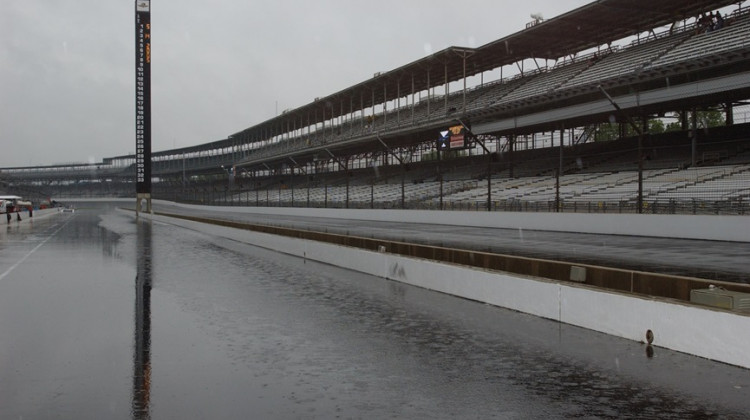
pixel 700 22
pixel 719 23
pixel 703 23
pixel 8 214
pixel 18 216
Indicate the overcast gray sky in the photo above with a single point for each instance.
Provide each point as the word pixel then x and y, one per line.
pixel 219 66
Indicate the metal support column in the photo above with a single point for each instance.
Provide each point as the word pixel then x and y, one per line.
pixel 639 200
pixel 440 177
pixel 346 175
pixel 694 142
pixel 560 170
pixel 489 163
pixel 446 90
pixel 403 169
pixel 729 115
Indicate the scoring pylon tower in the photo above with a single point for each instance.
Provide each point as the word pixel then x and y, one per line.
pixel 143 104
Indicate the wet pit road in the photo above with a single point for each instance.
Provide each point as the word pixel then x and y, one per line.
pixel 103 316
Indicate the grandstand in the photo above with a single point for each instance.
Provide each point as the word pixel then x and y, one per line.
pixel 538 138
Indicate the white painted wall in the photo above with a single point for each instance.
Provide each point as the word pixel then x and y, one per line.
pixel 705 332
pixel 708 227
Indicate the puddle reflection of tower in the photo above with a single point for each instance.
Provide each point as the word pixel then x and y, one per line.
pixel 142 347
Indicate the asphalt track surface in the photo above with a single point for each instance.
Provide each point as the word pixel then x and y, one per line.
pixel 105 316
pixel 712 260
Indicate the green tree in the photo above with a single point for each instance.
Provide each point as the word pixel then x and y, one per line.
pixel 711 118
pixel 607 132
pixel 704 119
pixel 673 126
pixel 656 126
pixel 611 131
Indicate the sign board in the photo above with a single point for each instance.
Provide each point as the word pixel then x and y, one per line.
pixel 456 137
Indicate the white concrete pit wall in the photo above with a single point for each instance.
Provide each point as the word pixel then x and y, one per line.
pixel 708 227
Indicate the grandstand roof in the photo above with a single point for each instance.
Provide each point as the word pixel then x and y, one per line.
pixel 589 26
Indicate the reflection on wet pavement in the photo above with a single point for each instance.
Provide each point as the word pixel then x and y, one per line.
pixel 221 329
pixel 142 348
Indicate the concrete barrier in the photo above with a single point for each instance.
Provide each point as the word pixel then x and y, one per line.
pixel 706 227
pixel 702 227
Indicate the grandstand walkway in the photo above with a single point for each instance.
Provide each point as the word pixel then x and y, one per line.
pixel 103 316
pixel 713 260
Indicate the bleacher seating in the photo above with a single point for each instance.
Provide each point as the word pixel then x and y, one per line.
pixel 495 93
pixel 596 176
pixel 624 62
pixel 548 81
pixel 722 42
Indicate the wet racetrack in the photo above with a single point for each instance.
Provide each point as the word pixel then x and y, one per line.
pixel 105 317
